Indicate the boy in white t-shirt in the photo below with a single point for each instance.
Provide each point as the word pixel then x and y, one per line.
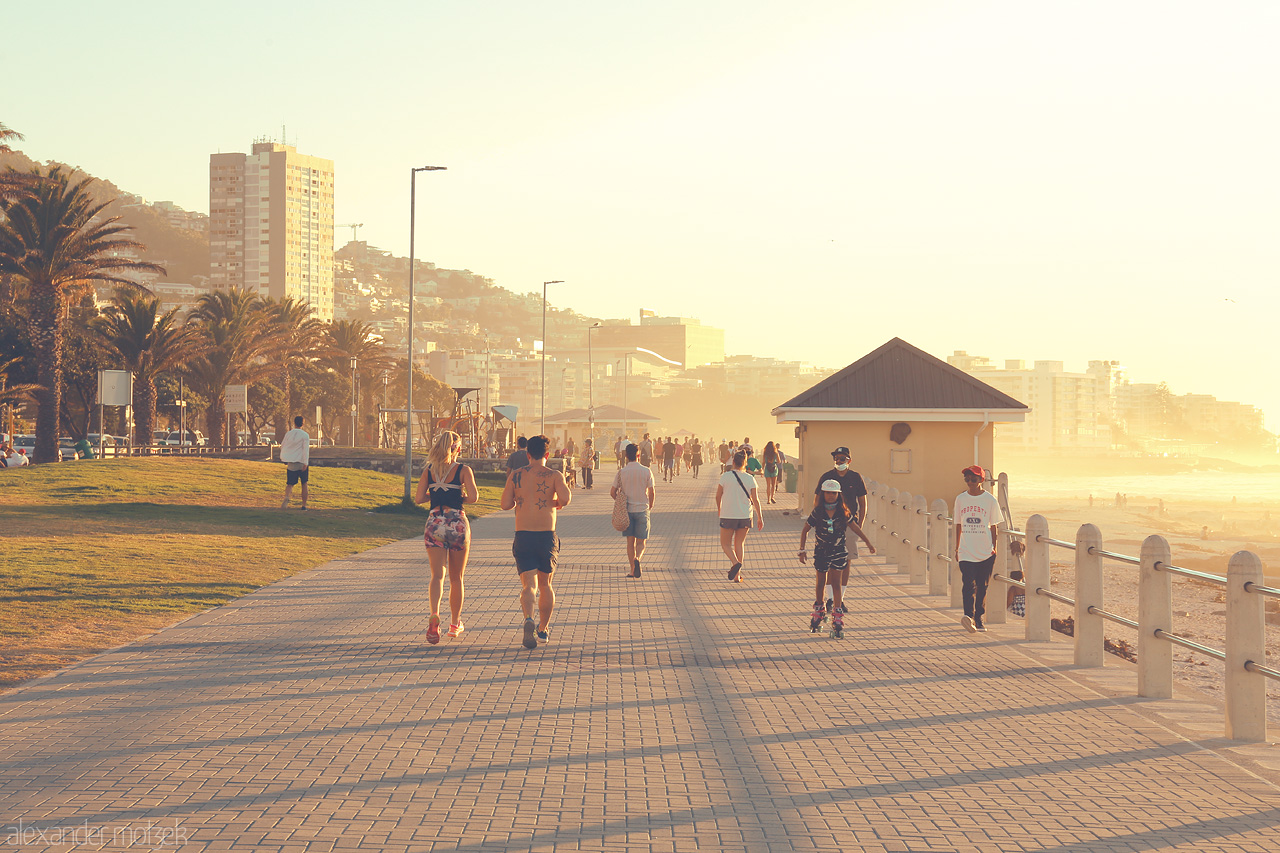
pixel 976 514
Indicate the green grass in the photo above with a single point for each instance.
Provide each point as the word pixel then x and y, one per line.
pixel 94 554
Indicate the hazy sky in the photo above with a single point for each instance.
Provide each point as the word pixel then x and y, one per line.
pixel 1015 178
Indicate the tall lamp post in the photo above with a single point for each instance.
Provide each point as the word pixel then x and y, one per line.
pixel 591 395
pixel 542 394
pixel 353 401
pixel 408 400
pixel 626 369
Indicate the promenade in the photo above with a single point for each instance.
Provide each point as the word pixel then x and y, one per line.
pixel 678 712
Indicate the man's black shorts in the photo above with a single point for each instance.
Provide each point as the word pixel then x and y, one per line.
pixel 535 550
pixel 295 477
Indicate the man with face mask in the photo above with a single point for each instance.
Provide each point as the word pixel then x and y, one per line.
pixel 854 492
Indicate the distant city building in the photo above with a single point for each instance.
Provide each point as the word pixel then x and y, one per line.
pixel 681 339
pixel 1068 411
pixel 271 224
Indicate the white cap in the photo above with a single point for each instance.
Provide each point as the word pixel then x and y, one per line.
pixel 831 486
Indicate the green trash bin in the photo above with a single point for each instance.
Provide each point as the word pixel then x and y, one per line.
pixel 790 476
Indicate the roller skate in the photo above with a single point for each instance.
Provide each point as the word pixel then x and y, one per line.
pixel 837 624
pixel 817 617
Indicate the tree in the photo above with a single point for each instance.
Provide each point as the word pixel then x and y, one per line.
pixel 13 185
pixel 56 242
pixel 301 340
pixel 147 343
pixel 239 347
pixel 350 339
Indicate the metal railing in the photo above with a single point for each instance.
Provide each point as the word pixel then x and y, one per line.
pixel 920 541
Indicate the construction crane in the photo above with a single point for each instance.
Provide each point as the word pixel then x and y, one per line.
pixel 354 226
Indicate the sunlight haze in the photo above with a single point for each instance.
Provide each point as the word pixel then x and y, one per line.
pixel 1031 180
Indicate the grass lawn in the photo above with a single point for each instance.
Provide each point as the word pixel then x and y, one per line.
pixel 95 554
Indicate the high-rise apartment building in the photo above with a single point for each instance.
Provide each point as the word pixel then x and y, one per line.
pixel 271 224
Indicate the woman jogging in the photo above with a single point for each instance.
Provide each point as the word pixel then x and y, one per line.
pixel 772 468
pixel 736 500
pixel 829 521
pixel 449 484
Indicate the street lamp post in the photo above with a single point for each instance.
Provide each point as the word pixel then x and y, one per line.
pixel 353 401
pixel 542 394
pixel 408 400
pixel 626 365
pixel 591 395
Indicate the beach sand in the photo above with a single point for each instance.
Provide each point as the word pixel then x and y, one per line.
pixel 1203 534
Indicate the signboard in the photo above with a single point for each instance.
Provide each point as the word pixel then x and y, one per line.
pixel 238 399
pixel 115 388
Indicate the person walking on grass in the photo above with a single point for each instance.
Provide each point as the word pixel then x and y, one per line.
pixel 635 480
pixel 448 484
pixel 736 501
pixel 830 521
pixel 536 492
pixel 295 453
pixel 977 514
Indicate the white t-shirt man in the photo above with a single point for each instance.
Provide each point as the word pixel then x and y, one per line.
pixel 636 480
pixel 975 515
pixel 295 448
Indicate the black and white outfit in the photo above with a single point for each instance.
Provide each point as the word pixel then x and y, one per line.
pixel 851 488
pixel 830 550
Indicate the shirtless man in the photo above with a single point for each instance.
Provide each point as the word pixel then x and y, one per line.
pixel 536 492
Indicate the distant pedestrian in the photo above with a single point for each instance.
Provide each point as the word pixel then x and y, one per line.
pixel 646 451
pixel 588 463
pixel 695 460
pixel 854 493
pixel 725 456
pixel 746 445
pixel 295 453
pixel 636 482
pixel 520 457
pixel 772 468
pixel 976 514
pixel 754 468
pixel 536 492
pixel 736 503
pixel 448 484
pixel 668 461
pixel 829 521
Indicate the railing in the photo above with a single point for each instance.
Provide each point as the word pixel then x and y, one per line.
pixel 920 540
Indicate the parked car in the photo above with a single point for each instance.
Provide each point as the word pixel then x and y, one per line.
pixel 194 438
pixel 67 449
pixel 27 442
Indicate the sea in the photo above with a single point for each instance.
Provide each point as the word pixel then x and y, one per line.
pixel 1255 489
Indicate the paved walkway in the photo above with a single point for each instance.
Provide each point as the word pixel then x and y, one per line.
pixel 675 713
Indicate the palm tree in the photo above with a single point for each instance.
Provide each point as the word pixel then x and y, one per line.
pixel 240 346
pixel 148 343
pixel 13 184
pixel 13 394
pixel 356 339
pixel 301 340
pixel 56 242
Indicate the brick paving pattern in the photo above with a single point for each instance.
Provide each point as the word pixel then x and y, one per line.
pixel 679 712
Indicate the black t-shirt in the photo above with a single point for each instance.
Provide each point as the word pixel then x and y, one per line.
pixel 851 487
pixel 668 452
pixel 828 532
pixel 519 459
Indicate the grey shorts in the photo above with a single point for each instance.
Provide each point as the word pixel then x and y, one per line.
pixel 735 523
pixel 639 524
pixel 536 550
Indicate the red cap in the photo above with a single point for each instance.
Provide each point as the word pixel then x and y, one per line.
pixel 975 470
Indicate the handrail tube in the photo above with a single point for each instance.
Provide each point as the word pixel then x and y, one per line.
pixel 1262 670
pixel 1017 534
pixel 943 557
pixel 1055 596
pixel 1258 589
pixel 1011 581
pixel 1070 546
pixel 1190 573
pixel 1189 644
pixel 1113 617
pixel 1119 558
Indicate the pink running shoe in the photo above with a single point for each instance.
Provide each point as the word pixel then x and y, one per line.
pixel 455 630
pixel 433 630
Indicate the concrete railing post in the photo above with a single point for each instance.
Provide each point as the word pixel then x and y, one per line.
pixel 1246 691
pixel 1155 613
pixel 883 542
pixel 1036 576
pixel 904 532
pixel 957 580
pixel 891 526
pixel 873 508
pixel 919 539
pixel 998 591
pixel 939 548
pixel 1089 639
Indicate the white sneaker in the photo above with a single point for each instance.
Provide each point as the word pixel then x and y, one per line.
pixel 967 622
